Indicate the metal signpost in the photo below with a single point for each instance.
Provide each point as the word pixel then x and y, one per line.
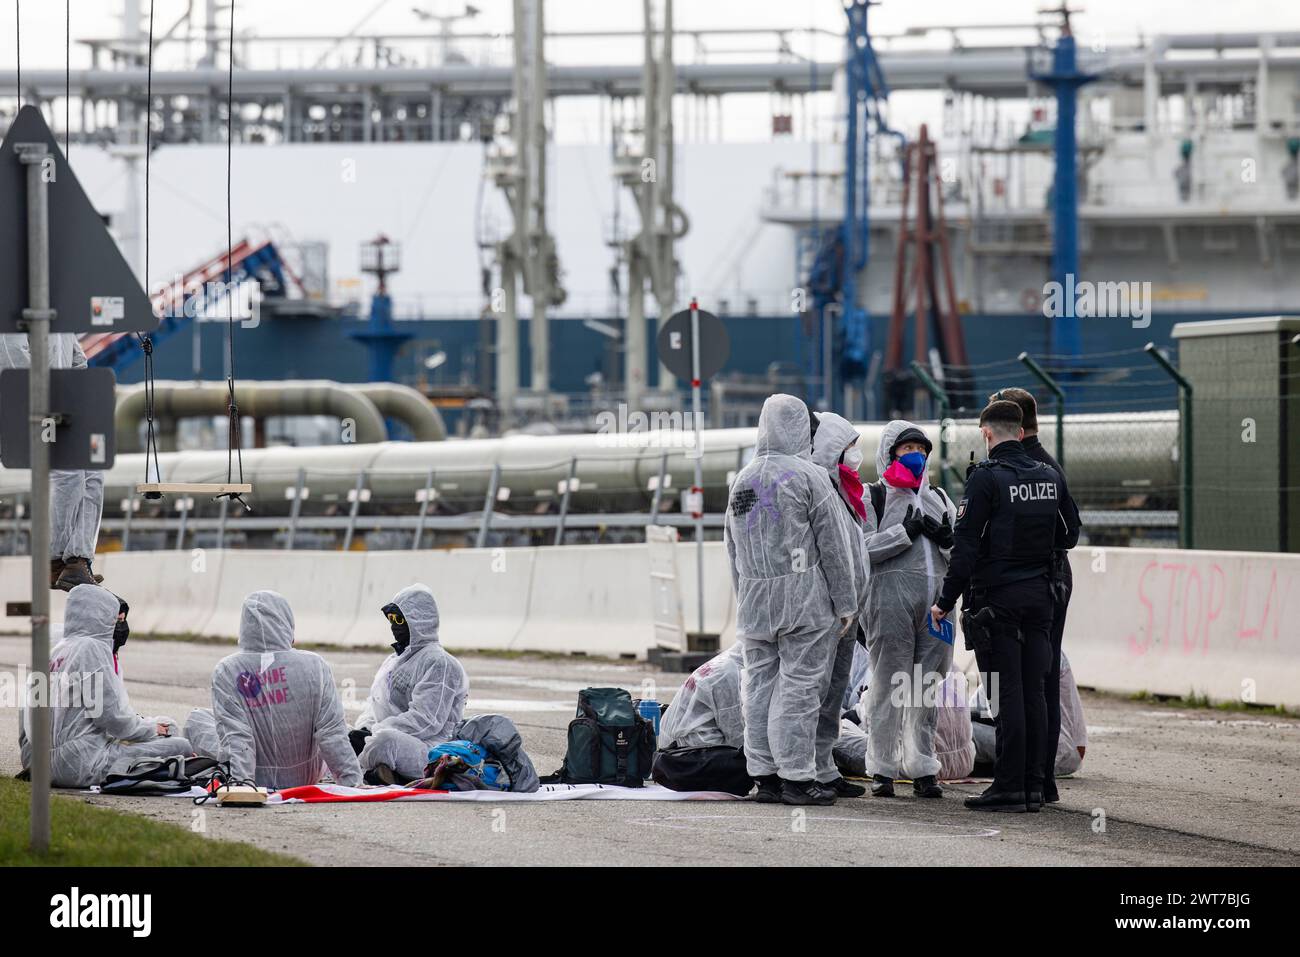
pixel 76 281
pixel 693 344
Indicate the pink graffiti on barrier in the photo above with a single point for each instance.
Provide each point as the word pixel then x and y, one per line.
pixel 1185 600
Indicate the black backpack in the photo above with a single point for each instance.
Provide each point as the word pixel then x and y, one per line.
pixel 714 768
pixel 609 742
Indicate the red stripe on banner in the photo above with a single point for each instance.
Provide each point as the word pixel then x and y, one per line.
pixel 313 794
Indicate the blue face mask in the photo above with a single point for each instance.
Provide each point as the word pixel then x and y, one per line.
pixel 914 462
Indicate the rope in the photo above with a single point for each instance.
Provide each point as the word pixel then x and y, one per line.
pixel 146 343
pixel 233 446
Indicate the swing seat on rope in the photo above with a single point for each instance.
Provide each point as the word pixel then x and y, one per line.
pixel 216 489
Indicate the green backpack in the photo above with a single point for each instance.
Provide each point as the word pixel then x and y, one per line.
pixel 609 742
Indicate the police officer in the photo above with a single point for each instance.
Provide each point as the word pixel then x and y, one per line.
pixel 1062 585
pixel 1009 523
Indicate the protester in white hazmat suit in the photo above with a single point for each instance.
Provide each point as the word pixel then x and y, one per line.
pixel 790 548
pixel 908 549
pixel 706 710
pixel 418 696
pixel 76 496
pixel 835 449
pixel 1071 744
pixel 95 732
pixel 276 714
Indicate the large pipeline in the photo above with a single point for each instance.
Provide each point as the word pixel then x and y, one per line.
pixel 366 405
pixel 1114 454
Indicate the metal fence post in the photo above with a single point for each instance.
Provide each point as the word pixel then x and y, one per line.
pixel 941 397
pixel 488 501
pixel 1057 391
pixel 1186 536
pixel 183 506
pixel 295 509
pixel 221 523
pixel 564 502
pixel 424 510
pixel 18 524
pixel 659 489
pixel 352 512
pixel 37 318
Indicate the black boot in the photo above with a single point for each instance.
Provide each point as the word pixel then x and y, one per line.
pixel 1034 801
pixel 805 793
pixel 1050 793
pixel 845 789
pixel 927 786
pixel 75 572
pixel 881 786
pixel 56 569
pixel 769 789
pixel 1012 802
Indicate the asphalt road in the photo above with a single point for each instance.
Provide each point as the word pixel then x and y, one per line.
pixel 1159 787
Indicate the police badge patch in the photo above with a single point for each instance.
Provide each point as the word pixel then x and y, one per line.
pixel 961 509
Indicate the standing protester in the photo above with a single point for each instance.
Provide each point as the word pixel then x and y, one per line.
pixel 790 551
pixel 77 495
pixel 835 448
pixel 908 547
pixel 1010 522
pixel 1062 585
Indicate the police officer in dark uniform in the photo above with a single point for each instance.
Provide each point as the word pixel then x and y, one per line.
pixel 1062 584
pixel 1009 523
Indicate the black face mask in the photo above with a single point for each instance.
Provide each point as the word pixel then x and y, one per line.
pixel 121 630
pixel 401 630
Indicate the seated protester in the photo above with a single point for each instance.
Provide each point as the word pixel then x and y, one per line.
pixel 706 710
pixel 95 731
pixel 1071 745
pixel 418 696
pixel 953 747
pixel 276 714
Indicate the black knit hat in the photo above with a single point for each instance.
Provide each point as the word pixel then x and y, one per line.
pixel 911 434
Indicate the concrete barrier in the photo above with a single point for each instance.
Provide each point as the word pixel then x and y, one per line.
pixel 1222 624
pixel 482 594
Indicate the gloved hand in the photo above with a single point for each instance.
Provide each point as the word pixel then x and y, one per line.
pixel 357 738
pixel 939 532
pixel 913 523
pixel 846 624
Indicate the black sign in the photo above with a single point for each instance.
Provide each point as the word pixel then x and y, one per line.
pixel 92 289
pixel 81 433
pixel 674 344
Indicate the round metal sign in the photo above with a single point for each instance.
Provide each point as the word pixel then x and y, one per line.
pixel 674 344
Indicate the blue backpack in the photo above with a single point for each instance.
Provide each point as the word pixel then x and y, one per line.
pixel 463 765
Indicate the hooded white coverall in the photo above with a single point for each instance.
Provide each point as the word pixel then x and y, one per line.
pixel 276 714
pixel 95 730
pixel 790 546
pixel 418 697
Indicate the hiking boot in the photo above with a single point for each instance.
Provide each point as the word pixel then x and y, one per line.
pixel 75 572
pixel 1034 801
pixel 927 787
pixel 769 789
pixel 845 789
pixel 1050 793
pixel 806 792
pixel 881 786
pixel 1012 802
